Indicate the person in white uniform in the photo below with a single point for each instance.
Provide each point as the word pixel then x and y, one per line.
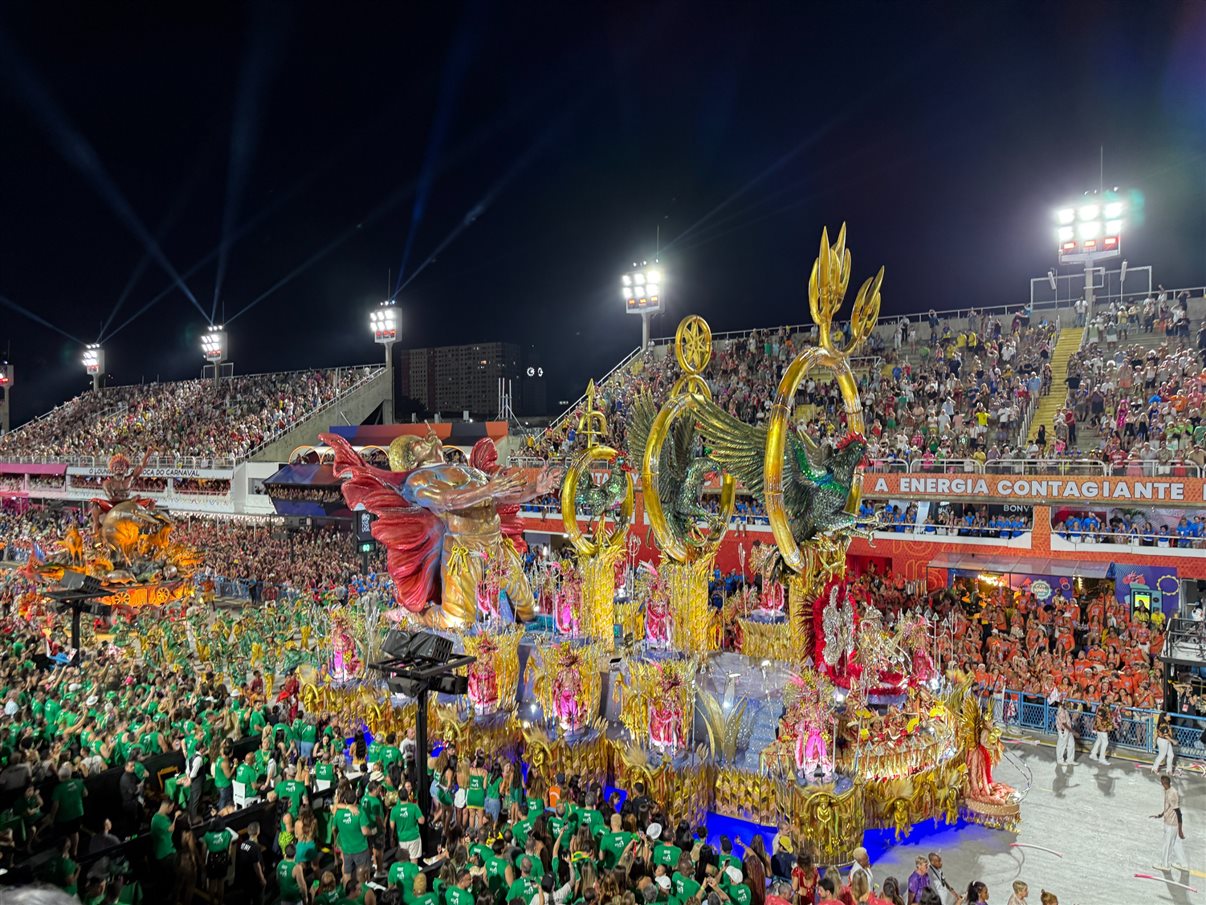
pixel 1173 853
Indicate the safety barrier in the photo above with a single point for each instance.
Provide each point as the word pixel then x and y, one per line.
pixel 1135 729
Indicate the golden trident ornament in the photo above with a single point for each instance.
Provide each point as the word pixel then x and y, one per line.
pixel 593 422
pixel 826 291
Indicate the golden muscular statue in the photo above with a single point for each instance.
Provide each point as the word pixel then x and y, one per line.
pixel 462 517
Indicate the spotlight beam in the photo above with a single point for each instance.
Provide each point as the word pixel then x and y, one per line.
pixel 259 66
pixel 450 81
pixel 140 268
pixel 246 227
pixel 79 153
pixel 21 309
pixel 487 199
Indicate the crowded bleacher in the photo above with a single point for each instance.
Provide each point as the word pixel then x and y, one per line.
pixel 181 418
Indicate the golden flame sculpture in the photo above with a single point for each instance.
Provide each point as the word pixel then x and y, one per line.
pixel 826 291
pixel 599 552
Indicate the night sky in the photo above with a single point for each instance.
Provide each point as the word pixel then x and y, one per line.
pixel 334 145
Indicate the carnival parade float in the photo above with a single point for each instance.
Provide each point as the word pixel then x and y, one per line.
pixel 822 721
pixel 126 554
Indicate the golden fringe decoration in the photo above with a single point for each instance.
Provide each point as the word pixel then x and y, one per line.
pixel 503 659
pixel 630 615
pixel 588 757
pixel 685 792
pixel 552 661
pixel 767 640
pixel 647 684
pixel 598 610
pixel 747 796
pixel 696 624
pixel 801 594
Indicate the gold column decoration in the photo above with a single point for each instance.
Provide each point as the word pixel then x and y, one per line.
pixel 800 597
pixel 599 550
pixel 689 554
pixel 695 625
pixel 826 291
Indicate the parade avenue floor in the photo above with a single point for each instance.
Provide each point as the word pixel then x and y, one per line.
pixel 1097 817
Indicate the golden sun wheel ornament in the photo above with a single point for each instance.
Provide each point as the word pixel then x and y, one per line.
pixel 826 290
pixel 693 350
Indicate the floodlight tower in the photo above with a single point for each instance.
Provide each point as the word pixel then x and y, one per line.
pixel 213 347
pixel 6 390
pixel 1091 231
pixel 94 363
pixel 383 321
pixel 641 289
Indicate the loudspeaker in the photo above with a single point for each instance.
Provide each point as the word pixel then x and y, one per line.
pixel 429 646
pixel 396 643
pixel 78 581
pixel 451 684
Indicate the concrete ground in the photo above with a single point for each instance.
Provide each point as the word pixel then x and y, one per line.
pixel 1096 816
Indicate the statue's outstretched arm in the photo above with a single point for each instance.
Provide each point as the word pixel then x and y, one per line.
pixel 440 496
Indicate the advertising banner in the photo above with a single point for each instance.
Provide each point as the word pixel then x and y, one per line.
pixel 1116 491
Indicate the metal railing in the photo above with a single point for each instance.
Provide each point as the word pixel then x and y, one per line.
pixel 1135 729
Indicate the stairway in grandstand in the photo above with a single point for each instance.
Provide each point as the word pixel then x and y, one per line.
pixel 1065 347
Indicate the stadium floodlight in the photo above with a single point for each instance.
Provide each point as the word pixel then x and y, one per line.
pixel 7 378
pixel 213 349
pixel 1090 231
pixel 213 344
pixel 641 289
pixel 383 321
pixel 94 363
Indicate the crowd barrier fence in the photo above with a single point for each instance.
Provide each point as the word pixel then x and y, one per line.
pixel 1135 732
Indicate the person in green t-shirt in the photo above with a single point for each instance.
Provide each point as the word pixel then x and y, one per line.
pixel 475 793
pixel 67 805
pixel 324 775
pixel 402 872
pixel 290 878
pixel 611 846
pixel 63 871
pixel 248 777
pixel 667 854
pixel 372 811
pixel 163 850
pixel 406 819
pixel 523 887
pixel 291 791
pixel 218 845
pixel 460 893
pixel 352 834
pixel 326 890
pixel 223 769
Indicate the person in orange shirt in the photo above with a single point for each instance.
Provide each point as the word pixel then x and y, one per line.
pixel 1157 644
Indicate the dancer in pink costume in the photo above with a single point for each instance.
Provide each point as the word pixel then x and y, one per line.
pixel 567 600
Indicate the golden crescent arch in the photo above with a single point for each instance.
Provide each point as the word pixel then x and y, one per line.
pixel 678 548
pixel 569 491
pixel 776 441
pixel 309 449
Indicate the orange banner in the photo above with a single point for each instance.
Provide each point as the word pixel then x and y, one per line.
pixel 1113 491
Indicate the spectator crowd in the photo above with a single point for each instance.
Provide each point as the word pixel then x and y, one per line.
pixel 181 418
